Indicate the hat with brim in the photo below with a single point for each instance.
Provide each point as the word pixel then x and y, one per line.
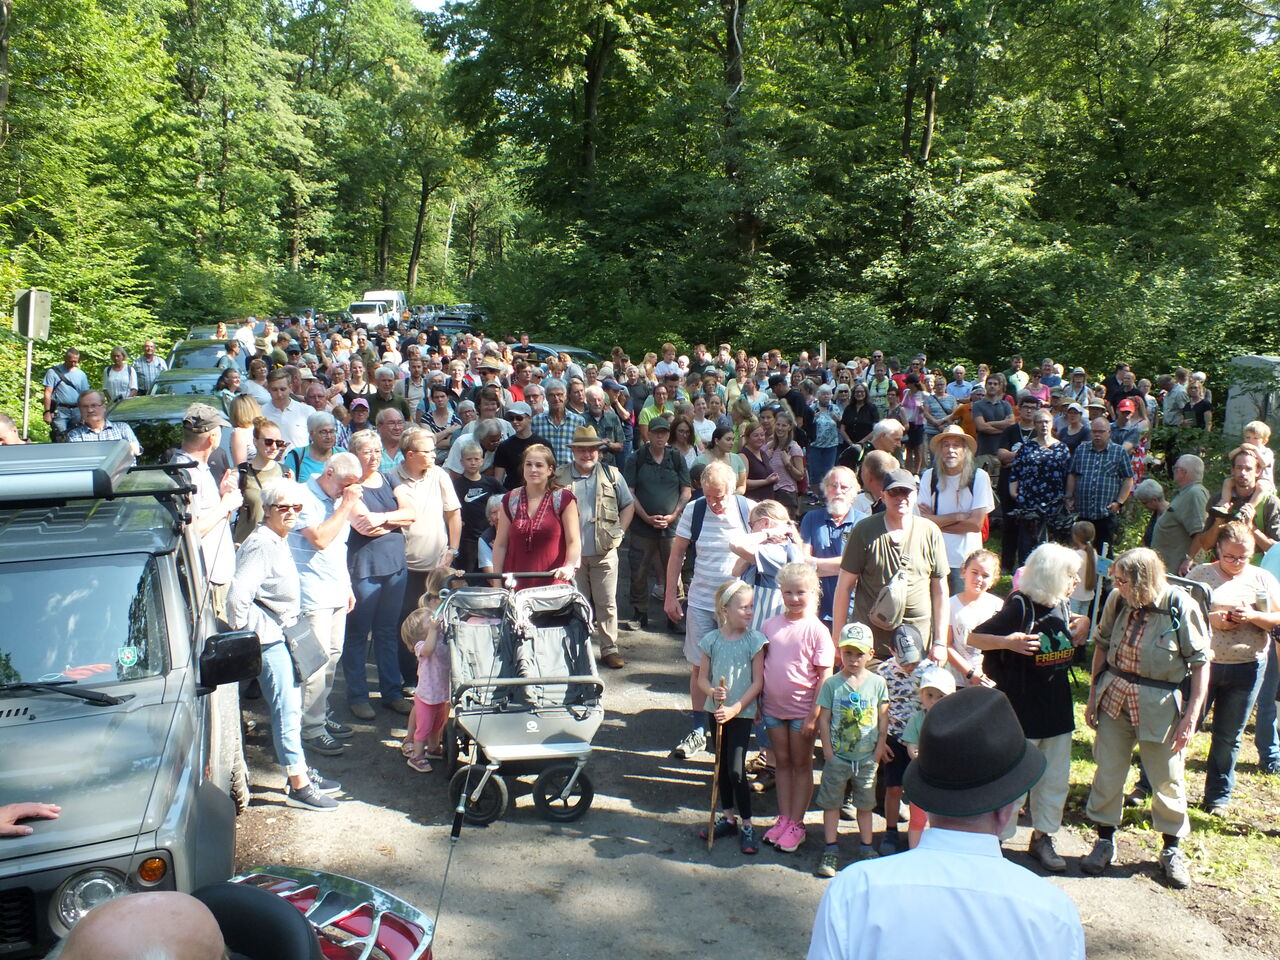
pixel 492 365
pixel 202 418
pixel 973 756
pixel 359 402
pixel 898 480
pixel 659 423
pixel 953 431
pixel 587 437
pixel 1096 405
pixel 610 384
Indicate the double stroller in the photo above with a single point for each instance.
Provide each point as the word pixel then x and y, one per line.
pixel 525 694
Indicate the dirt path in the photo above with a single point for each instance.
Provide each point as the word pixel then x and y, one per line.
pixel 629 879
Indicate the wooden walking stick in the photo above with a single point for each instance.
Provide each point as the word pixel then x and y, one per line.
pixel 715 781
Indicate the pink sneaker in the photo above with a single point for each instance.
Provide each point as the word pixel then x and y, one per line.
pixel 790 841
pixel 778 829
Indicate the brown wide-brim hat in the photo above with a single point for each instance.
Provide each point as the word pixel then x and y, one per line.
pixel 973 756
pixel 953 431
pixel 586 437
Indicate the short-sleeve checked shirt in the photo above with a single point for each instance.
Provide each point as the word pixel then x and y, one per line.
pixel 559 434
pixel 109 431
pixel 1099 474
pixel 1122 694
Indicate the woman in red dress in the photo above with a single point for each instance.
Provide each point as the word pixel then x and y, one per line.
pixel 538 525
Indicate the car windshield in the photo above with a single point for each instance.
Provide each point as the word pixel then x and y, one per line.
pixel 92 619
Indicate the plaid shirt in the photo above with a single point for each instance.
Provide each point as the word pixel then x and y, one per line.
pixel 109 431
pixel 148 371
pixel 558 435
pixel 1121 694
pixel 1099 474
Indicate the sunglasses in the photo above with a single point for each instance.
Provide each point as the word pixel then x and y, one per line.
pixel 267 442
pixel 290 507
pixel 899 493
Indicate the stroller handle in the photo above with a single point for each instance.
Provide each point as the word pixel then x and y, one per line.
pixel 487 577
pixel 587 681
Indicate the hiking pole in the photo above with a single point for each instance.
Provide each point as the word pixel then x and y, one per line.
pixel 715 781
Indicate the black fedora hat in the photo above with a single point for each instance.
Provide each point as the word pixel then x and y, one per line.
pixel 973 756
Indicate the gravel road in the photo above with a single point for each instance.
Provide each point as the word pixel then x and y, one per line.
pixel 630 878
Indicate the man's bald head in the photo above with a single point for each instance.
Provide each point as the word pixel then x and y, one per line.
pixel 161 925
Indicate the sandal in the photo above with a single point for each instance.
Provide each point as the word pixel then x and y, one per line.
pixel 406 748
pixel 421 765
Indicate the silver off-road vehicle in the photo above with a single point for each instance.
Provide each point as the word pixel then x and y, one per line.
pixel 118 694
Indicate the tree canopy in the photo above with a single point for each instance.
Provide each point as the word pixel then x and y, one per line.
pixel 1088 179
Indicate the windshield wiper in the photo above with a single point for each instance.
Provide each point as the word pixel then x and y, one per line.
pixel 70 687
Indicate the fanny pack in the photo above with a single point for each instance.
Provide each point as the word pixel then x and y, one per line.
pixel 890 605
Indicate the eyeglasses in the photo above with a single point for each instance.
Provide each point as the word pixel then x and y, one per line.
pixel 268 442
pixel 289 507
pixel 1229 558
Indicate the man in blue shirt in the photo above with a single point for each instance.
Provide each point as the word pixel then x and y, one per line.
pixel 63 385
pixel 1100 481
pixel 826 530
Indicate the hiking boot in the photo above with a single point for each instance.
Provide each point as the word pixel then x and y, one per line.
pixel 324 745
pixel 747 840
pixel 1099 858
pixel 1216 809
pixel 724 828
pixel 828 866
pixel 361 709
pixel 1042 849
pixel 309 798
pixel 613 661
pixel 338 729
pixel 692 745
pixel 1174 864
pixel 889 843
pixel 764 780
pixel 397 705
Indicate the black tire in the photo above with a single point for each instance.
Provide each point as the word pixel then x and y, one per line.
pixel 548 787
pixel 493 799
pixel 240 792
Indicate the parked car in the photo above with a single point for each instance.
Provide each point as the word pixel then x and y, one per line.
pixel 186 380
pixel 196 353
pixel 119 698
pixel 543 351
pixel 157 422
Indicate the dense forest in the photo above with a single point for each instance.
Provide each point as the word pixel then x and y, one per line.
pixel 1090 179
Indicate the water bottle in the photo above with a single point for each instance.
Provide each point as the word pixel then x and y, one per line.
pixel 1262 601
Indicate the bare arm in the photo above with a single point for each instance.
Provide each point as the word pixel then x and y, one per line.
pixel 845 585
pixel 941 619
pixel 500 540
pixel 671 605
pixel 322 534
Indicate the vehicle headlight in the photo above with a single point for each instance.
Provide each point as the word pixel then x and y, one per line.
pixel 85 891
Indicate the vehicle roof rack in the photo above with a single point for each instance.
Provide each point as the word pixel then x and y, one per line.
pixel 53 473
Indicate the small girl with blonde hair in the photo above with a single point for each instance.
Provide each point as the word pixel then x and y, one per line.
pixel 797 662
pixel 1256 436
pixel 421 634
pixel 772 543
pixel 735 653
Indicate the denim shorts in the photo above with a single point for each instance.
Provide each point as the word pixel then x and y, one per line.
pixel 772 723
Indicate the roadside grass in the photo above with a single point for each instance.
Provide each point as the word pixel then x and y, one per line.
pixel 1235 859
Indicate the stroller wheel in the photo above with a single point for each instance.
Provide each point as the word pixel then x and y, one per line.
pixel 549 786
pixel 453 745
pixel 492 802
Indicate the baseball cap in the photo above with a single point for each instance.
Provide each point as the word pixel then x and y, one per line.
pixel 908 645
pixel 659 423
pixel 1127 405
pixel 520 409
pixel 938 678
pixel 359 402
pixel 202 418
pixel 858 636
pixel 610 384
pixel 897 479
pixel 1076 407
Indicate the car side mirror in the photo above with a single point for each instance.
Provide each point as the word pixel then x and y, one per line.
pixel 229 658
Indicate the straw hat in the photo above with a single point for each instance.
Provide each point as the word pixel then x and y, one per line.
pixel 954 430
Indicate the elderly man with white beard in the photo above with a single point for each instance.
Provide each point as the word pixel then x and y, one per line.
pixel 827 529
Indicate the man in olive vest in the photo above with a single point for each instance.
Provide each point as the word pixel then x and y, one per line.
pixel 605 507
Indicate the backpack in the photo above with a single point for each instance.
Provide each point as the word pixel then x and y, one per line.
pixel 700 514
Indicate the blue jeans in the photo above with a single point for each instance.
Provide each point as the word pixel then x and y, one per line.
pixel 821 460
pixel 1264 724
pixel 377 611
pixel 1234 688
pixel 284 696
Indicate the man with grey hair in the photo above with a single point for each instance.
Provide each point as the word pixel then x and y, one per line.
pixel 318 542
pixel 390 427
pixel 487 434
pixel 1178 526
pixel 887 435
pixel 959 389
pixel 1099 482
pixel 385 398
pixel 559 422
pixel 606 423
pixel 94 424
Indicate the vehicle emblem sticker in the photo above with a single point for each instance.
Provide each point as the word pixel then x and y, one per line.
pixel 128 656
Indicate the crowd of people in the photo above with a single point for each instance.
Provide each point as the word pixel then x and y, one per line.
pixel 816 529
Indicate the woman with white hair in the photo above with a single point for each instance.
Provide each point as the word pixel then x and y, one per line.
pixel 1028 647
pixel 1150 494
pixel 821 455
pixel 265 597
pixel 307 462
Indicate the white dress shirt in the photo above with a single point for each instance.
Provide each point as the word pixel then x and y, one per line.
pixel 954 896
pixel 292 421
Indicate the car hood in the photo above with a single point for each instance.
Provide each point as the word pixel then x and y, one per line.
pixel 98 763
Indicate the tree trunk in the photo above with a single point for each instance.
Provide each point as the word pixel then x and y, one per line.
pixel 384 236
pixel 596 63
pixel 415 252
pixel 448 238
pixel 474 209
pixel 930 117
pixel 745 221
pixel 6 21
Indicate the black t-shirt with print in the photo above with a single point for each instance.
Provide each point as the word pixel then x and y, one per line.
pixel 1038 686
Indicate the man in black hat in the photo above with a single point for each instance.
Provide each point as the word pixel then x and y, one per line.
pixel 955 894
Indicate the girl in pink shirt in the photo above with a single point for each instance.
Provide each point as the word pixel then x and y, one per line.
pixel 797 661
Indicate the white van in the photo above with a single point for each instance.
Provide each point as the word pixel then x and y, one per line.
pixel 369 313
pixel 394 299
